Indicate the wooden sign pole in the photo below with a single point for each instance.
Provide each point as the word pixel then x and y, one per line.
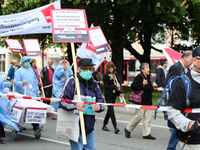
pixel 20 55
pixel 78 95
pixel 41 82
pixel 64 59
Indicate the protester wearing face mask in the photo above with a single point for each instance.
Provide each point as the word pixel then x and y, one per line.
pixel 26 78
pixel 61 74
pixel 89 88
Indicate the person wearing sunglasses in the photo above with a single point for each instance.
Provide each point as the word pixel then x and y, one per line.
pixel 113 88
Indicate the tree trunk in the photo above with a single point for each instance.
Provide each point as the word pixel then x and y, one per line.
pixel 69 52
pixel 117 57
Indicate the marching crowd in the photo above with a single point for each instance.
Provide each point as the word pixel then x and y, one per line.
pixel 26 79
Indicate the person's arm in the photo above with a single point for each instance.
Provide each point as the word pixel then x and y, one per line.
pixel 158 77
pixel 18 79
pixel 36 84
pixel 59 73
pixel 42 74
pixel 9 73
pixel 68 93
pixel 173 71
pixel 178 119
pixel 105 82
pixel 121 87
pixel 6 84
pixel 137 84
pixel 176 105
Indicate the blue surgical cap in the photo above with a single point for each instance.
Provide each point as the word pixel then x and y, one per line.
pixel 25 58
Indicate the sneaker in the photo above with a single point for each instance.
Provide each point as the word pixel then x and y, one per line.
pixel 149 137
pixel 116 130
pixel 104 128
pixel 2 141
pixel 127 133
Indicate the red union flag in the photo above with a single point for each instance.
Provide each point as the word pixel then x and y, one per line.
pixel 90 47
pixel 171 55
pixel 46 13
pixel 28 22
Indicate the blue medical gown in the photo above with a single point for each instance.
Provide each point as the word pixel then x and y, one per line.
pixel 28 74
pixel 4 118
pixel 59 79
pixel 58 82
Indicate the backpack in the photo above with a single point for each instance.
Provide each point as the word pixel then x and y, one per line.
pixel 169 88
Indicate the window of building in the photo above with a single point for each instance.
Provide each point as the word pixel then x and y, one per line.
pixel 131 71
pixel 2 63
pixel 153 67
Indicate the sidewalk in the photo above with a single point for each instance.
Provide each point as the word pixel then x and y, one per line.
pixel 123 110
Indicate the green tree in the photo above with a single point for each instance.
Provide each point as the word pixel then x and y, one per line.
pixel 126 21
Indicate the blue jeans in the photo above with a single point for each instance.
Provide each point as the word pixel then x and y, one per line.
pixel 173 140
pixel 79 146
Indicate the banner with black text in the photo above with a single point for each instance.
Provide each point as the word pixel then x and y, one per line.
pixel 29 22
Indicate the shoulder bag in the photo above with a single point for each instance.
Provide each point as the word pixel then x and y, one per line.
pixel 136 96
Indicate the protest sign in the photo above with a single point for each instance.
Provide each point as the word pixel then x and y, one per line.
pixel 67 125
pixel 88 107
pixel 36 115
pixel 98 40
pixel 29 22
pixel 16 114
pixel 87 51
pixel 32 47
pixel 69 25
pixel 15 46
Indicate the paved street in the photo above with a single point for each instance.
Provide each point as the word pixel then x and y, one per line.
pixel 104 140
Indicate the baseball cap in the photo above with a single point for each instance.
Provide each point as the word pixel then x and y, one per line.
pixel 85 62
pixel 196 52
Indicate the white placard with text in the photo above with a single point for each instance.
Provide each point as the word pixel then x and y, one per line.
pixel 15 114
pixel 36 115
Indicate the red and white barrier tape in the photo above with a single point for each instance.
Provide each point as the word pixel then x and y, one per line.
pixel 148 107
pixel 158 89
pixel 47 86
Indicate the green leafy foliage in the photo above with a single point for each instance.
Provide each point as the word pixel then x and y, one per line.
pixel 126 21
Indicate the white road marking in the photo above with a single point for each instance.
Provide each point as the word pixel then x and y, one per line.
pixel 66 143
pixel 42 138
pixel 127 122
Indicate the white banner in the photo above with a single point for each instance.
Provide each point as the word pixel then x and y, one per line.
pixel 29 22
pixel 87 51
